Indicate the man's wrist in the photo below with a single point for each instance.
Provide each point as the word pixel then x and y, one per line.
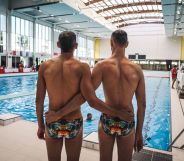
pixel 139 131
pixel 41 126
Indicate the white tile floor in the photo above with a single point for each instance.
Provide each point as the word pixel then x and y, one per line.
pixel 177 124
pixel 18 142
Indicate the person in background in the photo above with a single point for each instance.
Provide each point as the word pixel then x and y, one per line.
pixel 174 75
pixel 20 67
pixel 89 117
pixel 33 68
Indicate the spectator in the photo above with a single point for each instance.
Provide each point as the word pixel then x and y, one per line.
pixel 174 75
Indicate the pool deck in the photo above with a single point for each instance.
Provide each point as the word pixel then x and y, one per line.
pixel 18 140
pixel 177 124
pixel 18 74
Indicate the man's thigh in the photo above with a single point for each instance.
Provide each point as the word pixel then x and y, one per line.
pixel 125 146
pixel 54 148
pixel 73 146
pixel 106 144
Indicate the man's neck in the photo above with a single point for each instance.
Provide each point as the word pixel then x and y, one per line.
pixel 118 52
pixel 66 55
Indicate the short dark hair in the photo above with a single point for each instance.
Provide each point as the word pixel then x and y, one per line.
pixel 67 39
pixel 120 37
pixel 89 114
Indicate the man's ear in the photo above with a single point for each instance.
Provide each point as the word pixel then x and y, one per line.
pixel 111 42
pixel 112 45
pixel 75 45
pixel 126 45
pixel 58 44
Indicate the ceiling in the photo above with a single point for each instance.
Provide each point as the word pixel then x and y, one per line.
pixel 63 16
pixel 173 11
pixel 127 12
pixel 73 15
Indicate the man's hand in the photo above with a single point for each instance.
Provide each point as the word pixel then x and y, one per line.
pixel 125 115
pixel 51 116
pixel 41 133
pixel 138 145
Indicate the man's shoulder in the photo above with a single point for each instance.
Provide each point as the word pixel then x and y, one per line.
pixel 103 63
pixel 133 67
pixel 84 65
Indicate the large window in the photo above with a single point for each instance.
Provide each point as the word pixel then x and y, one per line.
pixel 81 47
pixel 2 33
pixel 43 39
pixel 90 48
pixel 22 35
pixel 85 47
pixel 56 36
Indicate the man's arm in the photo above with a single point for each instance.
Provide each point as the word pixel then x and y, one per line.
pixel 141 103
pixel 88 93
pixel 40 96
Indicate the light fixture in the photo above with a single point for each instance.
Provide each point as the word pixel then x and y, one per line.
pixel 67 21
pixel 175 30
pixel 38 8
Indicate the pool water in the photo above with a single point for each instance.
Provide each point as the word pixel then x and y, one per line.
pixel 156 130
pixel 17 84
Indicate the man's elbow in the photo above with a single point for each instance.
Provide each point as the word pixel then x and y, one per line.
pixel 92 102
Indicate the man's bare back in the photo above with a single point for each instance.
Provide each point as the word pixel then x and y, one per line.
pixel 62 76
pixel 120 78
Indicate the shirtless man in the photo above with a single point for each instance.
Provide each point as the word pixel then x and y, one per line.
pixel 63 77
pixel 121 79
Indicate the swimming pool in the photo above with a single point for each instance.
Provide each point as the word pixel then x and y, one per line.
pixel 156 129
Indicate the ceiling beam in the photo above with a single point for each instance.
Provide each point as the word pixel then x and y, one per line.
pixel 132 12
pixel 54 16
pixel 149 17
pixel 77 22
pixel 92 2
pixel 130 24
pixel 129 5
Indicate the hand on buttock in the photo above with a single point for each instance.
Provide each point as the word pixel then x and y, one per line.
pixel 126 115
pixel 50 117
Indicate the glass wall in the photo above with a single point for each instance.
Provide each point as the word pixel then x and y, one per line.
pixel 56 36
pixel 22 35
pixel 90 48
pixel 81 47
pixel 2 33
pixel 85 47
pixel 43 39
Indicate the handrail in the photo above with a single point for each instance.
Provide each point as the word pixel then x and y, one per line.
pixel 182 131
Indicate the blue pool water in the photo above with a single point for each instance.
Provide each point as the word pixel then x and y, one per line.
pixel 14 85
pixel 156 129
